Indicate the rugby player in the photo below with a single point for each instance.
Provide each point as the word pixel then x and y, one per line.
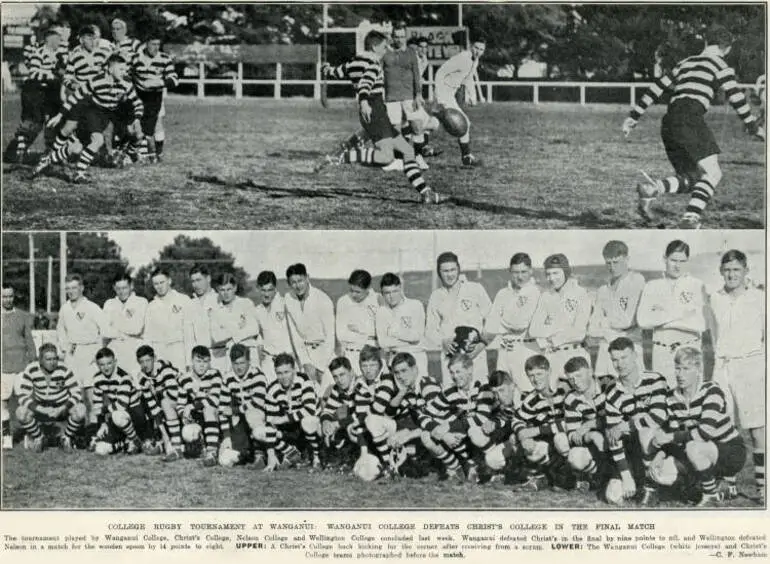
pixel 561 317
pixel 672 307
pixel 689 143
pixel 509 321
pixel 126 46
pixel 458 303
pixel 273 328
pixel 124 318
pixel 18 352
pixel 459 71
pixel 169 324
pixel 233 319
pixel 420 46
pixel 341 424
pixel 739 333
pixel 204 300
pixel 48 393
pixel 85 62
pixel 356 313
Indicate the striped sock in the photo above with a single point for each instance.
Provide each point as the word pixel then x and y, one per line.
pixel 211 433
pixel 461 451
pixel 702 192
pixel 447 458
pixel 32 428
pixel 60 149
pixel 676 184
pixel 282 447
pixel 87 157
pixel 174 429
pixel 312 440
pixel 159 146
pixel 128 430
pixel 382 448
pixel 364 156
pixel 759 467
pixel 465 148
pixel 414 176
pixel 618 455
pixel 419 144
pixel 21 140
pixel 73 426
pixel 708 485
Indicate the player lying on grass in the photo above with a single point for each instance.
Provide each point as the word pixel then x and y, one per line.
pixel 689 143
pixel 91 107
pixel 291 417
pixel 203 406
pixel 49 394
pixel 697 439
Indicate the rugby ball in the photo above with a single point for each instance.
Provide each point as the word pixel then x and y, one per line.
pixel 454 122
pixel 103 448
pixel 191 433
pixel 228 457
pixel 367 467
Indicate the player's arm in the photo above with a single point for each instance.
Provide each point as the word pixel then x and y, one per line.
pixel 188 329
pixel 364 91
pixel 737 99
pixel 101 322
pixel 623 319
pixel 27 392
pixel 537 327
pixel 170 77
pixel 344 333
pixel 576 332
pixel 250 328
pixel 62 335
pixel 136 103
pixel 433 323
pixel 649 98
pixel 327 322
pixel 385 337
pixel 134 325
pixel 651 312
pixel 80 93
pixel 29 343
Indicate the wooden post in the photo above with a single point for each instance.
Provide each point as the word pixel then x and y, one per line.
pixel 582 94
pixel 201 80
pixel 633 95
pixel 489 92
pixel 31 240
pixel 49 295
pixel 317 84
pixel 535 93
pixel 62 267
pixel 278 77
pixel 239 82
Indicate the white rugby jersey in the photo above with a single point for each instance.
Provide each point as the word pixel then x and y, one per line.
pixel 273 328
pixel 615 307
pixel 562 315
pixel 202 308
pixel 669 303
pixel 467 303
pixel 170 320
pixel 401 328
pixel 312 320
pixel 125 320
pixel 236 322
pixel 356 320
pixel 80 323
pixel 456 71
pixel 513 309
pixel 740 322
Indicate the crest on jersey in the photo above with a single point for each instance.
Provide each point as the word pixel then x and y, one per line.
pixel 521 301
pixel 80 315
pixel 242 321
pixel 372 309
pixel 280 316
pixel 623 303
pixel 176 309
pixel 406 322
pixel 129 313
pixel 466 304
pixel 686 297
pixel 548 320
pixel 644 401
pixel 571 304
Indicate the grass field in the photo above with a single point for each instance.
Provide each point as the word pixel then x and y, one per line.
pixel 248 164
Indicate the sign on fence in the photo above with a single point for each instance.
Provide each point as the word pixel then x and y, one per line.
pixel 253 54
pixel 443 41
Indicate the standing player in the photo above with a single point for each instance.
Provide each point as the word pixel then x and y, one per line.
pixel 80 331
pixel 234 319
pixel 400 323
pixel 124 316
pixel 356 313
pixel 457 304
pixel 689 143
pixel 310 318
pixel 48 392
pixel 204 300
pixel 18 352
pixel 168 327
pixel 126 46
pixel 456 72
pixel 614 312
pixel 561 317
pixel 84 62
pixel 509 320
pixel 740 346
pixel 273 326
pixel 420 47
pixel 672 307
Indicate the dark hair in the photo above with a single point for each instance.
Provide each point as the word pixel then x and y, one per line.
pixel 361 279
pixel 339 362
pixel 574 364
pixel 49 32
pixel 734 254
pixel 160 270
pixel 296 270
pixel 74 277
pixel 369 352
pixel 200 269
pixel 283 359
pixel 46 347
pixel 201 352
pixel 677 246
pixel 115 58
pixel 267 277
pixel 7 286
pixel 414 40
pixel 719 35
pixel 615 249
pixel 537 361
pixel 500 377
pixel 389 279
pixel 121 277
pixel 239 351
pixel 226 278
pixel 145 350
pixel 104 352
pixel 86 30
pixel 401 358
pixel 372 39
pixel 447 257
pixel 621 344
pixel 520 258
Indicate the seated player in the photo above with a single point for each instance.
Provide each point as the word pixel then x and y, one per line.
pixel 635 408
pixel 584 424
pixel 372 368
pixel 698 435
pixel 158 382
pixel 446 419
pixel 291 417
pixel 91 108
pixel 541 432
pixel 117 409
pixel 49 393
pixel 203 405
pixel 393 421
pixel 247 387
pixel 340 423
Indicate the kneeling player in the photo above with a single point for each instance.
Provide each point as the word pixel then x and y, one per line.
pixel 541 434
pixel 117 408
pixel 341 426
pixel 202 406
pixel 49 393
pixel 398 400
pixel 158 382
pixel 584 423
pixel 246 387
pixel 699 434
pixel 291 416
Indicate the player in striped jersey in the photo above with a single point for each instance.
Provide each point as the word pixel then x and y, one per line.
pixel 204 402
pixel 39 94
pixel 91 107
pixel 584 408
pixel 341 421
pixel 291 417
pixel 698 433
pixel 86 61
pixel 117 408
pixel 689 143
pixel 374 118
pixel 398 400
pixel 127 47
pixel 541 432
pixel 48 392
pixel 152 70
pixel 371 368
pixel 446 420
pixel 635 408
pixel 158 382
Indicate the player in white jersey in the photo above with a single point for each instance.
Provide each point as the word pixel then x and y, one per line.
pixel 739 333
pixel 81 331
pixel 672 307
pixel 420 46
pixel 204 300
pixel 458 303
pixel 125 315
pixel 233 322
pixel 168 328
pixel 614 313
pixel 561 317
pixel 509 320
pixel 400 324
pixel 310 315
pixel 456 72
pixel 273 327
pixel 356 313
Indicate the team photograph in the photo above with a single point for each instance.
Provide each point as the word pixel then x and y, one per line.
pixel 398 116
pixel 414 369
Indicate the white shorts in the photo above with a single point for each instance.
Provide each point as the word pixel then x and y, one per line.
pixel 125 354
pixel 743 381
pixel 83 363
pixel 399 112
pixel 172 352
pixel 9 383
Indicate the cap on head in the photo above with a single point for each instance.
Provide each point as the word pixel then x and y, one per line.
pixel 558 261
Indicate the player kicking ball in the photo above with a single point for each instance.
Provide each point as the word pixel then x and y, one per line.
pixel 689 143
